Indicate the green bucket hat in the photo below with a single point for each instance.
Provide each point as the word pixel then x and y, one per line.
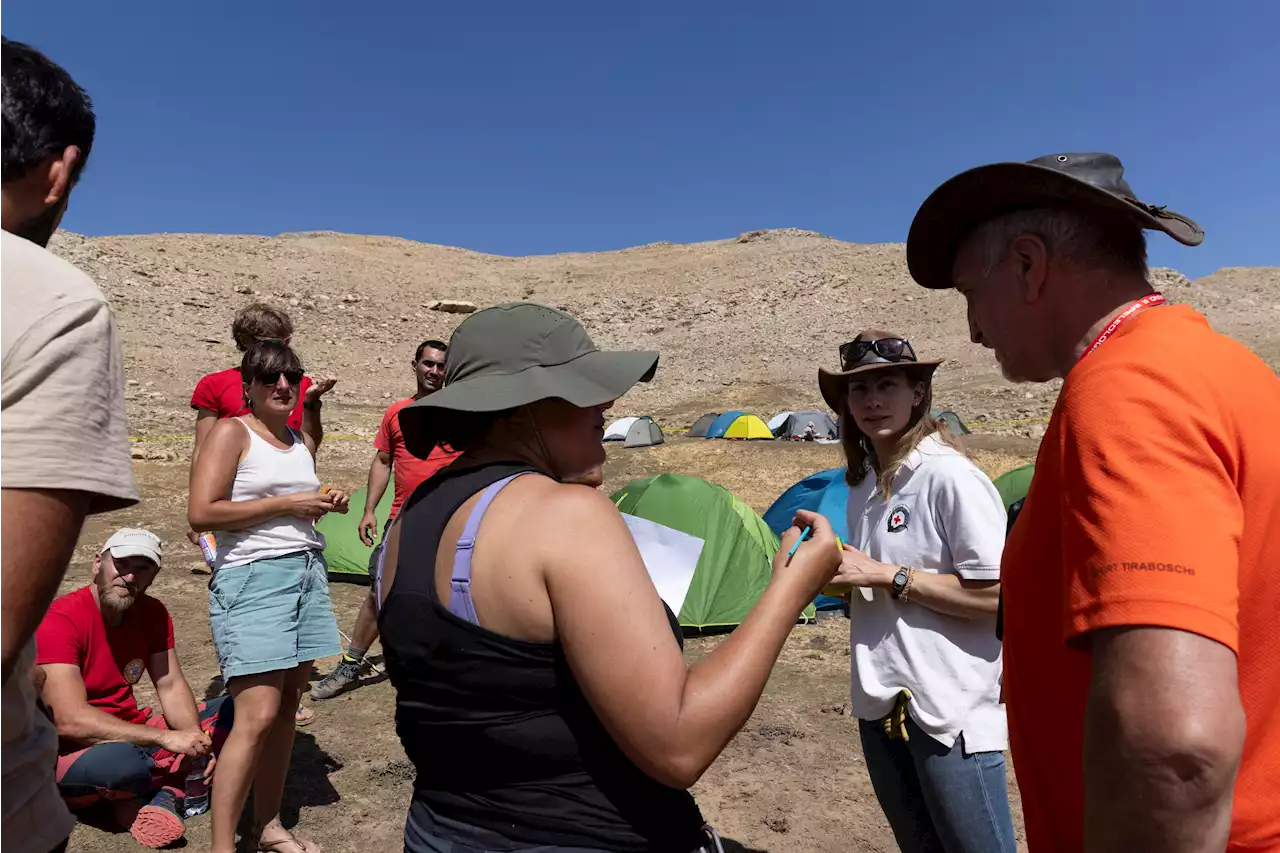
pixel 511 355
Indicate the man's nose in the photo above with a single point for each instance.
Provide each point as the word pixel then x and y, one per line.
pixel 975 334
pixel 283 382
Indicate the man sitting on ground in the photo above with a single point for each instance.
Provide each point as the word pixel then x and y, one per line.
pixel 93 646
pixel 410 472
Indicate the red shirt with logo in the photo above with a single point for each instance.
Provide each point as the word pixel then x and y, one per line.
pixel 223 394
pixel 111 659
pixel 409 470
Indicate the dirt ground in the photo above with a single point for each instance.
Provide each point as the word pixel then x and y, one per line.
pixel 791 781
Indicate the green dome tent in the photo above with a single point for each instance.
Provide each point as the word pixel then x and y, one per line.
pixel 737 552
pixel 1013 485
pixel 346 556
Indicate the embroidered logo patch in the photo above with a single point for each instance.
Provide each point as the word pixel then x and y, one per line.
pixel 133 671
pixel 898 519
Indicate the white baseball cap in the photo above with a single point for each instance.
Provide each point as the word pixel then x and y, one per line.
pixel 133 542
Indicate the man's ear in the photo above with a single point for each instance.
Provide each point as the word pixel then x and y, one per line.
pixel 1031 265
pixel 59 175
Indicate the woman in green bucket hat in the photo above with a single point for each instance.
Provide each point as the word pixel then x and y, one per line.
pixel 541 691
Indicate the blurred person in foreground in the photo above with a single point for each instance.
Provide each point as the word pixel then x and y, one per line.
pixel 390 454
pixel 1141 668
pixel 221 395
pixel 63 435
pixel 541 692
pixel 254 483
pixel 926 528
pixel 93 646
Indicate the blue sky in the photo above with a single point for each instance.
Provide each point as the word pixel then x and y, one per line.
pixel 523 128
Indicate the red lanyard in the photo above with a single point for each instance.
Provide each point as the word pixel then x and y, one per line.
pixel 1133 308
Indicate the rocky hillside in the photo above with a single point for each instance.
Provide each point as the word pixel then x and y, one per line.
pixel 743 322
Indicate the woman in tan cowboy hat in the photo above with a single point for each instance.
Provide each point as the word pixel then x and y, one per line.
pixel 540 688
pixel 922 566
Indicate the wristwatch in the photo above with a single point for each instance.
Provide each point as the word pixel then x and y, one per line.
pixel 900 581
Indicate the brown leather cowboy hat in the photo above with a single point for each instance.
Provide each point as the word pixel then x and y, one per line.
pixel 978 195
pixel 866 353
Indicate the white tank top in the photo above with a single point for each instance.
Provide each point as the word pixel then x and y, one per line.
pixel 266 472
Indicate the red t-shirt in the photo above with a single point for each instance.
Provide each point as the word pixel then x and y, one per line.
pixel 111 660
pixel 409 470
pixel 223 394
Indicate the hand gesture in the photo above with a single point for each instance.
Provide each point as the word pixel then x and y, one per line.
pixel 319 388
pixel 308 505
pixel 208 769
pixel 857 569
pixel 368 525
pixel 815 561
pixel 340 501
pixel 186 742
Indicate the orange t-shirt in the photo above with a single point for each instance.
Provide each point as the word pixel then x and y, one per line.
pixel 1156 501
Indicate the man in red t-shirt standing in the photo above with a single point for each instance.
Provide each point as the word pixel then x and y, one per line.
pixel 410 471
pixel 93 646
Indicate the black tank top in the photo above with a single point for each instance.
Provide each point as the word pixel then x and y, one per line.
pixel 499 732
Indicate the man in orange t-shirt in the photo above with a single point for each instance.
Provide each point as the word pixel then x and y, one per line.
pixel 1142 579
pixel 390 455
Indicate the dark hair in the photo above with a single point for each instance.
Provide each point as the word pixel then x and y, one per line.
pixel 268 356
pixel 426 345
pixel 45 112
pixel 259 321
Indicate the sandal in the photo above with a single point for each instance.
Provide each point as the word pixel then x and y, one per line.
pixel 288 843
pixel 304 716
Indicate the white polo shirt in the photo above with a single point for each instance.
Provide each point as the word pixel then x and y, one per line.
pixel 944 517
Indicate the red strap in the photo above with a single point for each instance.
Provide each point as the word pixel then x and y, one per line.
pixel 1131 309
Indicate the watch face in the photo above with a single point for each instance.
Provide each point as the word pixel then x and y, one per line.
pixel 900 578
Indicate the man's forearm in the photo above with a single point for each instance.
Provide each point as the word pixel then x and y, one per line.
pixel 311 424
pixel 39 529
pixel 179 705
pixel 89 726
pixel 379 477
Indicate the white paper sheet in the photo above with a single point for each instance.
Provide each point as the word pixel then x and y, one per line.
pixel 670 556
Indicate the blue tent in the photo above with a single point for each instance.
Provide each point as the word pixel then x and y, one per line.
pixel 722 424
pixel 825 492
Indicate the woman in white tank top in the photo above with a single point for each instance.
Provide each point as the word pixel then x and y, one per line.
pixel 254 484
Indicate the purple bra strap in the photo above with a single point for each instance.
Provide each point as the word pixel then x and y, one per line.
pixel 460 603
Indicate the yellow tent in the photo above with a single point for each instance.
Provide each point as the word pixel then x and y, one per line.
pixel 748 427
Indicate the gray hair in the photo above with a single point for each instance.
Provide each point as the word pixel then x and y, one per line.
pixel 1071 235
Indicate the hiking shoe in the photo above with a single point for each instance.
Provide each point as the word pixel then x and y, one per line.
pixel 345 676
pixel 159 822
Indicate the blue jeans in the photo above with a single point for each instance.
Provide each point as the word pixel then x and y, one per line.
pixel 938 800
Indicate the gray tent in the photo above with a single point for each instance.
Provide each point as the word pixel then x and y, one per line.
pixel 643 433
pixel 796 424
pixel 953 422
pixel 702 424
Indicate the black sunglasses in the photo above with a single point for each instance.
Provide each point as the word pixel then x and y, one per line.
pixel 293 377
pixel 890 349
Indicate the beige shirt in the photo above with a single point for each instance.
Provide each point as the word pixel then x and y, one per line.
pixel 62 426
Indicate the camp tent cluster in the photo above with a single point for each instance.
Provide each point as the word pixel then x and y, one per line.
pixel 731 425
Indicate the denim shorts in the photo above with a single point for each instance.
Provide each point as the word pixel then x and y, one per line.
pixel 272 614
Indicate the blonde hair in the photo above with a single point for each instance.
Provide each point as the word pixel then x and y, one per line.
pixel 860 454
pixel 260 321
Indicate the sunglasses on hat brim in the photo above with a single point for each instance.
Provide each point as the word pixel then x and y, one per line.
pixel 890 349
